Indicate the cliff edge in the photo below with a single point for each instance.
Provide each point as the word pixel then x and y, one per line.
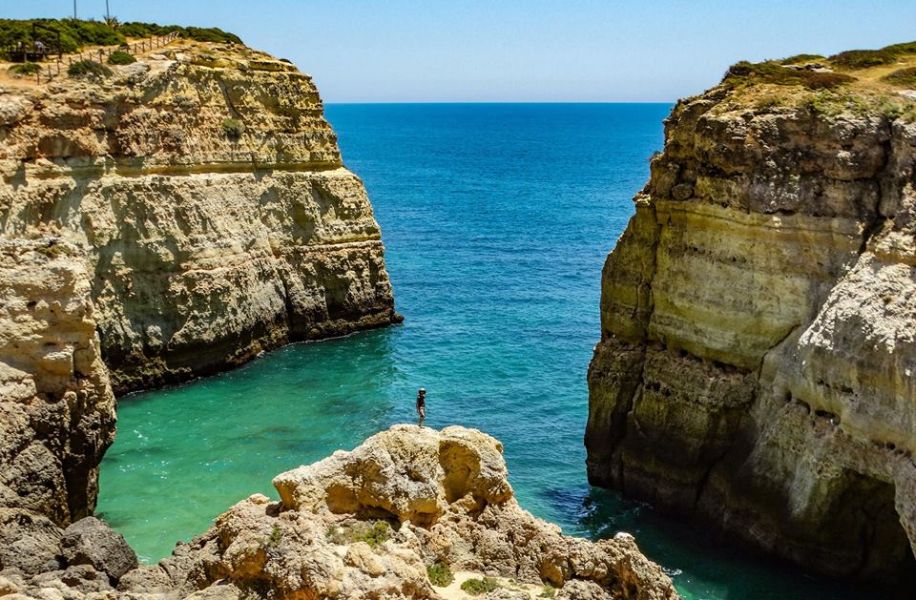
pixel 206 194
pixel 161 220
pixel 758 315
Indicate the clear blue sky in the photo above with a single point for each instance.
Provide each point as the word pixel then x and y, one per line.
pixel 515 50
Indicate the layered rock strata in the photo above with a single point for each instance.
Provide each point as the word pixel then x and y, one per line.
pixel 57 411
pixel 757 357
pixel 172 219
pixel 207 196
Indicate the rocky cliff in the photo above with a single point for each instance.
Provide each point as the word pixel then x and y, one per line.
pixel 757 355
pixel 206 195
pixel 406 515
pixel 161 220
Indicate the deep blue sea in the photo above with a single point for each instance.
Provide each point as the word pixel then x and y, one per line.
pixel 496 220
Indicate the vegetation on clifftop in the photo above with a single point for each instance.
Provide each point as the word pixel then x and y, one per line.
pixel 74 34
pixel 856 81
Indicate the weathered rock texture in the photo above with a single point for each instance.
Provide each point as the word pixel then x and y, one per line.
pixel 435 496
pixel 56 406
pixel 757 358
pixel 206 194
pixel 360 524
pixel 175 219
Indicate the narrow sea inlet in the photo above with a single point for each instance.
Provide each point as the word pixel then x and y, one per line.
pixel 496 219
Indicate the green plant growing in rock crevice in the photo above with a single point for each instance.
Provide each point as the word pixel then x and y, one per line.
pixel 440 574
pixel 233 129
pixel 477 587
pixel 276 534
pixel 547 591
pixel 373 533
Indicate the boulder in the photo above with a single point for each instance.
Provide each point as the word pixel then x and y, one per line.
pixel 91 541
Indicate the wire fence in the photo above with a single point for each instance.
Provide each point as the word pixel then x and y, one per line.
pixel 63 61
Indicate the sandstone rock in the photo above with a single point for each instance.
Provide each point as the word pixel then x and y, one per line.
pixel 90 541
pixel 28 542
pixel 56 405
pixel 429 496
pixel 204 249
pixel 756 356
pixel 134 227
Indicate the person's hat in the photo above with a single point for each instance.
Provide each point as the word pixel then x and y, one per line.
pixel 423 390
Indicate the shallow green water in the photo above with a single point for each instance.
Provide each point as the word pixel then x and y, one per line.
pixel 497 219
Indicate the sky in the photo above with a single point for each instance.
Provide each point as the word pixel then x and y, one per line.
pixel 519 50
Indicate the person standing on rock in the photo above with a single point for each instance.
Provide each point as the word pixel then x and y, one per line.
pixel 421 406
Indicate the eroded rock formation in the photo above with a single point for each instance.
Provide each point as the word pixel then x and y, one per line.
pixel 757 357
pixel 360 524
pixel 205 192
pixel 57 412
pixel 438 496
pixel 173 219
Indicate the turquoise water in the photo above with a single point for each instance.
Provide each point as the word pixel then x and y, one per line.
pixel 497 219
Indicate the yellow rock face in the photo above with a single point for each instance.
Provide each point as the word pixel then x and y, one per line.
pixel 207 195
pixel 758 316
pixel 174 219
pixel 57 411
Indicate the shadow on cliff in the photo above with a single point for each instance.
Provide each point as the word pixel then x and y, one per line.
pixel 701 561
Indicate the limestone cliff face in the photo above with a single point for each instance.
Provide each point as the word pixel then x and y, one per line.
pixel 757 358
pixel 173 219
pixel 206 194
pixel 56 405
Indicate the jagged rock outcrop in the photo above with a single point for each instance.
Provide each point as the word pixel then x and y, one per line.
pixel 758 314
pixel 56 406
pixel 360 524
pixel 366 523
pixel 206 194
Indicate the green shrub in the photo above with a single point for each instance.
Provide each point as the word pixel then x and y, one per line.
pixel 904 77
pixel 440 574
pixel 74 33
pixel 863 59
pixel 233 128
pixel 801 59
pixel 477 587
pixel 373 533
pixel 88 67
pixel 772 72
pixel 200 34
pixel 120 57
pixel 905 48
pixel 26 68
pixel 547 591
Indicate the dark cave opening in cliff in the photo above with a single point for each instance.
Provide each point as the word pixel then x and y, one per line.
pixel 866 511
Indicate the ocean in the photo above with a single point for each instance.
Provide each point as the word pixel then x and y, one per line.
pixel 496 220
